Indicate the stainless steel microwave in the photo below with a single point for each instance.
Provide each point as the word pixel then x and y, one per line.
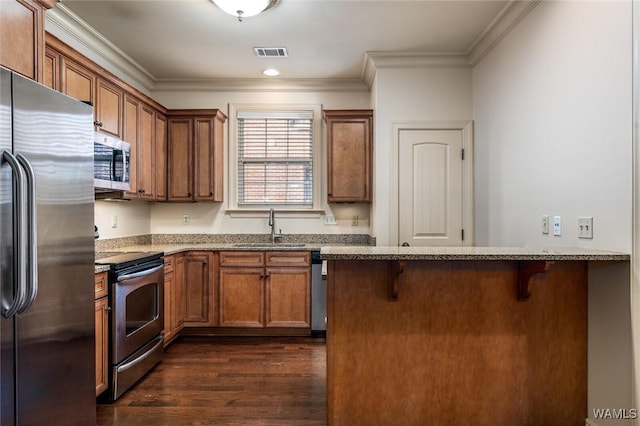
pixel 111 163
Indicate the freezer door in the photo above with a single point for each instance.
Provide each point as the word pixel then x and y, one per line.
pixel 55 336
pixel 6 255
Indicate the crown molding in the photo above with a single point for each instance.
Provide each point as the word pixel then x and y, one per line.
pixel 260 84
pixel 378 60
pixel 510 16
pixel 71 29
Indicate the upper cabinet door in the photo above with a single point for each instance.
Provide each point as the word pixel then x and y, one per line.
pixel 109 112
pixel 51 74
pixel 146 153
pixel 77 81
pixel 179 170
pixel 161 156
pixel 349 146
pixel 203 159
pixel 22 37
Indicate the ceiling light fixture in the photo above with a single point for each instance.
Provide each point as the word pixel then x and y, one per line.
pixel 244 8
pixel 271 72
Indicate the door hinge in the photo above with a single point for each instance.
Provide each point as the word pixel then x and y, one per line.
pixel 463 235
pixel 463 153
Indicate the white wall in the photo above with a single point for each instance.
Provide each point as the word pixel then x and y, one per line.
pixel 553 135
pixel 552 110
pixel 132 218
pixel 411 94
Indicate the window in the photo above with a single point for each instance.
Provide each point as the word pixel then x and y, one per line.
pixel 275 162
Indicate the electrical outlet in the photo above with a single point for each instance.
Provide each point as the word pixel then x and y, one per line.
pixel 585 227
pixel 354 220
pixel 330 220
pixel 185 219
pixel 114 221
pixel 557 226
pixel 545 224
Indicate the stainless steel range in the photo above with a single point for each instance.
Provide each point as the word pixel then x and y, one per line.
pixel 136 282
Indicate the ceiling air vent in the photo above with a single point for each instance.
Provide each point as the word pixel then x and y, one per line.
pixel 271 52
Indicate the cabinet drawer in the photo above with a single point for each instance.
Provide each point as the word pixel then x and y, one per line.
pixel 288 258
pixel 241 258
pixel 168 264
pixel 101 282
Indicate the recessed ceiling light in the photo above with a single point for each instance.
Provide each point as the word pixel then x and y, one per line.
pixel 271 72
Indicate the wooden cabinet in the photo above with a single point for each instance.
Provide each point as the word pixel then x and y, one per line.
pixel 199 270
pixel 242 297
pixel 173 296
pixel 349 151
pixel 195 163
pixel 102 332
pixel 264 289
pixel 51 67
pixel 119 110
pixel 108 108
pixel 77 81
pixel 22 36
pixel 139 131
pixel 161 156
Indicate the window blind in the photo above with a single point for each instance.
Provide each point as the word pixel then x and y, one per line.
pixel 275 158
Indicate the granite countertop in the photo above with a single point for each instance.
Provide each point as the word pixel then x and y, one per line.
pixel 468 253
pixel 169 249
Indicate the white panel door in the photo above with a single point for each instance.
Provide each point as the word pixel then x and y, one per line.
pixel 430 187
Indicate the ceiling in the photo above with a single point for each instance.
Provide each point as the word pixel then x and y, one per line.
pixel 191 40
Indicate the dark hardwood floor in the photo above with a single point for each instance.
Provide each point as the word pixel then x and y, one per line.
pixel 228 381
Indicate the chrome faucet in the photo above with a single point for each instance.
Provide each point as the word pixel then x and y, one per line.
pixel 272 224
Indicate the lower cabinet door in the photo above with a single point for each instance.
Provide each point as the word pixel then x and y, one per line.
pixel 241 297
pixel 169 308
pixel 288 297
pixel 102 344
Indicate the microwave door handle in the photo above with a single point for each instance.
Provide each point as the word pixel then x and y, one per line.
pixel 125 164
pixel 19 264
pixel 32 238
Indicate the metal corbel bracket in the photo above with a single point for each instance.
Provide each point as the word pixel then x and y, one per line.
pixel 527 271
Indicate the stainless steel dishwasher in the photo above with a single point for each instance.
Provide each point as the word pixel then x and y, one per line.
pixel 318 297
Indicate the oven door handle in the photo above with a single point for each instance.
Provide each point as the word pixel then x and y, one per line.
pixel 137 361
pixel 140 274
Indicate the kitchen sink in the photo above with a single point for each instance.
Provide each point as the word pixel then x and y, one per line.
pixel 269 245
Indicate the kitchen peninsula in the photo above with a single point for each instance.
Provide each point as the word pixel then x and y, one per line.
pixel 472 335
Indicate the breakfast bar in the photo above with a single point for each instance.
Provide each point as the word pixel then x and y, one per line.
pixel 471 335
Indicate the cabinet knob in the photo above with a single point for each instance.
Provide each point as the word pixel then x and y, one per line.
pixel 210 194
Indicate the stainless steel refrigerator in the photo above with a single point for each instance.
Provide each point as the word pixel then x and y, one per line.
pixel 47 357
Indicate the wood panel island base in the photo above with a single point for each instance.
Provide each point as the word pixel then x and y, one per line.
pixel 480 336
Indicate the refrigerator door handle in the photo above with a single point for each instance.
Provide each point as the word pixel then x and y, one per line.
pixel 19 264
pixel 32 238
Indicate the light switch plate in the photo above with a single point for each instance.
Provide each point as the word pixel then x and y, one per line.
pixel 585 227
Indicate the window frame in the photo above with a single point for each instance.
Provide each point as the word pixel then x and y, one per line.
pixel 236 208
